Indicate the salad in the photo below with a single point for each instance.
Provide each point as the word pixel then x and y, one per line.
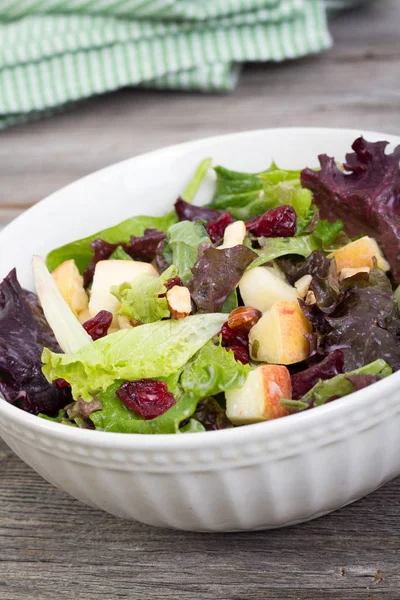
pixel 278 296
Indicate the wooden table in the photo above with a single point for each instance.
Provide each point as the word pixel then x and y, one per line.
pixel 51 546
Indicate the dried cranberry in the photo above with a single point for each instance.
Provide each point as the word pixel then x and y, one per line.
pixel 148 398
pixel 99 325
pixel 173 282
pixel 170 284
pixel 216 229
pixel 240 354
pixel 61 383
pixel 251 224
pixel 234 337
pixel 277 222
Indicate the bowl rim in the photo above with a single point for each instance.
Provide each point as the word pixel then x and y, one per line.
pixel 314 418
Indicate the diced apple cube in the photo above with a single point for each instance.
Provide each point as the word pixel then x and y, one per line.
pixel 278 337
pixel 262 287
pixel 258 399
pixel 114 272
pixel 346 272
pixel 70 285
pixel 360 254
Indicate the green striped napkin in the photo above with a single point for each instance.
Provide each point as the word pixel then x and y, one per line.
pixel 56 52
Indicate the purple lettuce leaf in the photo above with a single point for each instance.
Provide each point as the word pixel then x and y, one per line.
pixel 189 212
pixel 363 322
pixel 216 274
pixel 79 412
pixel 366 198
pixel 210 414
pixel 142 248
pixel 324 283
pixel 24 333
pixel 359 382
pixel 331 365
pixel 160 262
pixel 296 267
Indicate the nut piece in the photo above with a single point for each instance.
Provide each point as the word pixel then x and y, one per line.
pixel 310 298
pixel 347 272
pixel 302 285
pixel 124 322
pixel 179 302
pixel 234 235
pixel 243 318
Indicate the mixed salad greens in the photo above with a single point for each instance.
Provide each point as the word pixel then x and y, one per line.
pixel 279 296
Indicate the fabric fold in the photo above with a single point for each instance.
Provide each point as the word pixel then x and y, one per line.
pixel 50 60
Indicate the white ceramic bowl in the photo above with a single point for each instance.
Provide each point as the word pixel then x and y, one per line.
pixel 255 477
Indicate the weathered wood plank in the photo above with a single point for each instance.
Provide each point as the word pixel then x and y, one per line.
pixel 49 542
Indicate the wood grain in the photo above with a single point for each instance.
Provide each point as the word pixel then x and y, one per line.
pixel 51 546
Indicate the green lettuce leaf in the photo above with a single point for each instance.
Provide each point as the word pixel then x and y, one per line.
pixel 213 370
pixel 196 181
pixel 193 426
pixel 210 371
pixel 274 248
pixel 182 247
pixel 154 350
pixel 82 253
pixel 306 220
pixel 120 254
pixel 61 417
pixel 247 195
pixel 338 386
pixel 284 188
pixel 230 303
pixel 141 301
pixel 327 232
pixel 235 189
pixel 116 417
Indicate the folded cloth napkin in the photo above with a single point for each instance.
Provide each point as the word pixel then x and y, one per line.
pixel 56 52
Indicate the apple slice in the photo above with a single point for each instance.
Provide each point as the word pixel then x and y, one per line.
pixel 258 399
pixel 114 272
pixel 360 254
pixel 278 337
pixel 261 287
pixel 70 285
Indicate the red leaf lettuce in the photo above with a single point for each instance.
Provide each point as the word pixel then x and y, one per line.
pixel 216 274
pixel 366 196
pixel 24 333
